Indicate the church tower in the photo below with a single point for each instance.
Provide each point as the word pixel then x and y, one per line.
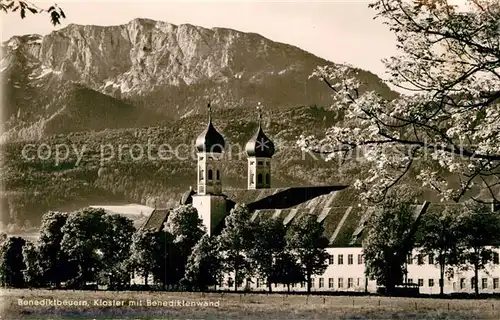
pixel 260 150
pixel 209 200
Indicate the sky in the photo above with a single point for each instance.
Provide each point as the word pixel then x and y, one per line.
pixel 339 31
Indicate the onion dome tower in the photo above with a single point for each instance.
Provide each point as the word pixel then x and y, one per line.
pixel 210 146
pixel 209 201
pixel 260 150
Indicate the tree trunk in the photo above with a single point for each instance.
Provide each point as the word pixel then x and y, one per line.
pixel 269 285
pixel 476 283
pixel 308 282
pixel 146 276
pixel 441 274
pixel 288 287
pixel 235 278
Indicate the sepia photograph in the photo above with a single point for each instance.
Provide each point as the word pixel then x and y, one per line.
pixel 245 159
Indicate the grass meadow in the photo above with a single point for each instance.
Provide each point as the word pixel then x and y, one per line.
pixel 37 304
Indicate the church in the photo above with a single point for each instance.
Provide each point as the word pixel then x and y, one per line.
pixel 335 206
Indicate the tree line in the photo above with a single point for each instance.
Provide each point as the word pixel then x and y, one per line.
pixel 90 246
pixel 460 236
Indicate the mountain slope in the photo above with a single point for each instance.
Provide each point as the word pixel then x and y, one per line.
pixel 160 68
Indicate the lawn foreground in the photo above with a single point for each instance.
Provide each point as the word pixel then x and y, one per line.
pixel 36 304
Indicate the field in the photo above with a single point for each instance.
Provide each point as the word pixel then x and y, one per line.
pixel 36 304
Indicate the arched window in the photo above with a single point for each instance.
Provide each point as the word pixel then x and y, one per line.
pixel 259 178
pixel 268 178
pixel 217 175
pixel 210 174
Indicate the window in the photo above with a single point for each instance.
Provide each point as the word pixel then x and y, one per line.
pixel 302 284
pixel 472 283
pixel 321 282
pixel 410 280
pixel 341 283
pixel 251 177
pixel 484 283
pixel 420 259
pixel 409 259
pixel 349 259
pixel 217 175
pixel 293 285
pixel 462 283
pixel 257 284
pixel 210 174
pixel 495 283
pixel 358 282
pixel 431 258
pixel 275 285
pixel 420 282
pixel 431 282
pixel 360 259
pixel 268 178
pixel 259 178
pixel 340 259
pixel 330 282
pixel 330 259
pixel 496 258
pixel 260 163
pixel 350 282
pixel 312 283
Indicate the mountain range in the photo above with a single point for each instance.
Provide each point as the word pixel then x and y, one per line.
pixel 151 80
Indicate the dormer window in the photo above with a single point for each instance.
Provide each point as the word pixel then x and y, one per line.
pixel 260 163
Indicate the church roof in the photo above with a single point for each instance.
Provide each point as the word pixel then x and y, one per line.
pixel 156 219
pixel 210 140
pixel 187 197
pixel 343 225
pixel 281 198
pixel 336 207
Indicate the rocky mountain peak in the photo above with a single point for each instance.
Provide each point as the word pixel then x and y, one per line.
pixel 169 70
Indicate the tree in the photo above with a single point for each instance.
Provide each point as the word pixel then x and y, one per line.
pixel 390 238
pixel 150 254
pixel 117 240
pixel 53 262
pixel 187 229
pixel 83 244
pixel 269 244
pixel 306 242
pixel 33 271
pixel 448 59
pixel 56 13
pixel 235 243
pixel 440 233
pixel 479 229
pixel 204 266
pixel 287 270
pixel 11 262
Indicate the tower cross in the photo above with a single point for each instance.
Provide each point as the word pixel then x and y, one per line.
pixel 259 110
pixel 209 111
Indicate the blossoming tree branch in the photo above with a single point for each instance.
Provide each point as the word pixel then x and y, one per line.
pixel 446 130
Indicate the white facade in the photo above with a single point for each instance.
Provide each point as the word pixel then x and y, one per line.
pixel 345 272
